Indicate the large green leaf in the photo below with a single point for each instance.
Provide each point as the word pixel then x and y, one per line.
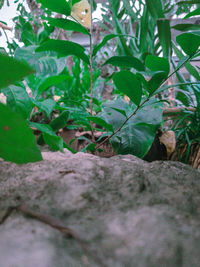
pixel 189 42
pixel 164 33
pixel 155 63
pixel 155 8
pixel 128 83
pixel 51 81
pixel 45 63
pixel 18 100
pixel 17 142
pixel 135 139
pixel 126 61
pixel 12 70
pixel 68 25
pixel 137 136
pixel 59 6
pixel 64 48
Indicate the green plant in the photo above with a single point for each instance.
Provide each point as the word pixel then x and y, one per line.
pixel 139 74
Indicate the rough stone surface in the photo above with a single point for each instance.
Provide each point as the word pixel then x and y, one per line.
pixel 129 212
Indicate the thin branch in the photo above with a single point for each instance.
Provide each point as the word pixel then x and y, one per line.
pixel 91 70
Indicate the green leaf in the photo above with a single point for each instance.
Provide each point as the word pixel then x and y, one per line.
pixel 195 12
pixel 18 100
pixel 103 42
pixel 155 82
pixel 155 63
pixel 12 70
pixel 64 48
pixel 51 81
pixel 68 25
pixel 135 139
pixel 121 111
pixel 186 27
pixel 101 122
pixel 191 69
pixel 189 42
pixel 55 142
pixel 155 8
pixel 17 142
pixel 45 63
pixel 138 133
pixel 58 6
pixel 126 61
pixel 164 33
pixel 90 147
pixel 127 83
pixel 60 122
pixel 46 106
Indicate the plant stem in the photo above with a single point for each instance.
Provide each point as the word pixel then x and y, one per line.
pixel 143 102
pixel 91 71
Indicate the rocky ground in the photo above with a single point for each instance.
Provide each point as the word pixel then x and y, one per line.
pixel 82 210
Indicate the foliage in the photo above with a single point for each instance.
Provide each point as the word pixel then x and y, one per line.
pixel 140 68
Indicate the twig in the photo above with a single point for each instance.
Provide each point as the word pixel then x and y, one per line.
pixel 5 27
pixel 54 223
pixel 91 70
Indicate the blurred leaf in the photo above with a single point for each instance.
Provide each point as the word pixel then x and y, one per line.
pixel 17 142
pixel 55 142
pixel 51 81
pixel 120 111
pixel 101 122
pixel 51 139
pixel 18 100
pixel 189 42
pixel 155 8
pixel 68 25
pixel 195 12
pixel 103 42
pixel 164 33
pixel 58 6
pixel 155 63
pixel 60 122
pixel 90 147
pixel 64 48
pixel 126 61
pixel 45 63
pixel 186 27
pixel 12 70
pixel 127 83
pixel 46 106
